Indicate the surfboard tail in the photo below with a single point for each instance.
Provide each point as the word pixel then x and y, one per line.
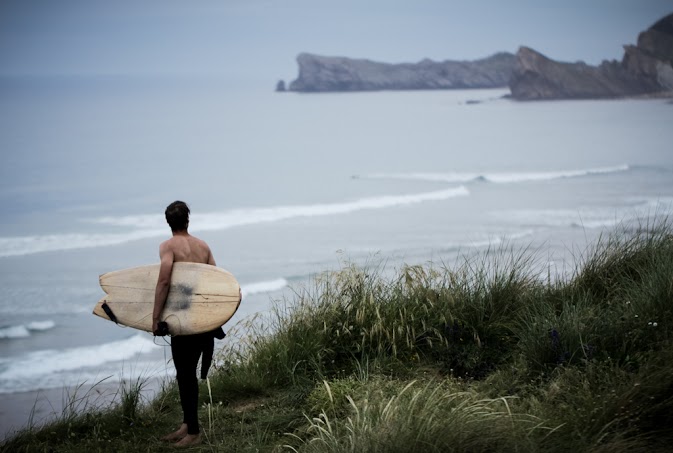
pixel 98 310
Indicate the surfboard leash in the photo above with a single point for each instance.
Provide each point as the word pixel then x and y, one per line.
pixel 166 342
pixel 108 311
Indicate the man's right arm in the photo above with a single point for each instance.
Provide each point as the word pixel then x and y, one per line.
pixel 163 283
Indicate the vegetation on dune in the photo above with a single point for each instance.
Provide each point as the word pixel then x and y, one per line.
pixel 486 355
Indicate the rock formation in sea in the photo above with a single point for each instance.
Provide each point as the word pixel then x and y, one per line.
pixel 320 73
pixel 646 68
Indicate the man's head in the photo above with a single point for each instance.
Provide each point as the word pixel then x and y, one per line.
pixel 177 216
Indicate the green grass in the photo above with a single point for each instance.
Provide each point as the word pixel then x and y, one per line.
pixel 484 355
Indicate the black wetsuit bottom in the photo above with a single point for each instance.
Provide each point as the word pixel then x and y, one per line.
pixel 186 351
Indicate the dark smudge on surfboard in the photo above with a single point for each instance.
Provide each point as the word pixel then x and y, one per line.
pixel 180 297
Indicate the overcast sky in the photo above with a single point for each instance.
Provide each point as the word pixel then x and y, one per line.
pixel 263 37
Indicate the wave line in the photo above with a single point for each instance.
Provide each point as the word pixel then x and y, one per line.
pixel 150 226
pixel 496 178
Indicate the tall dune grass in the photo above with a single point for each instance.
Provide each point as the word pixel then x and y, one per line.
pixel 617 303
pixel 423 417
pixel 461 320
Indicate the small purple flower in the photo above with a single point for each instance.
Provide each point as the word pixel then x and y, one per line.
pixel 561 355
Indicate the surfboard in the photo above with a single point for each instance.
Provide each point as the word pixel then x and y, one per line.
pixel 200 298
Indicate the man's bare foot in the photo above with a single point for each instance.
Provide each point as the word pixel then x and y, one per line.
pixel 176 435
pixel 189 440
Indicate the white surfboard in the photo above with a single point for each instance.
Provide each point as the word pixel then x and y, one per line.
pixel 200 298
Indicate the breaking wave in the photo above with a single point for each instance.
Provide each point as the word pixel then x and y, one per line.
pixel 149 226
pixel 497 178
pixel 263 287
pixel 52 368
pixel 590 217
pixel 24 330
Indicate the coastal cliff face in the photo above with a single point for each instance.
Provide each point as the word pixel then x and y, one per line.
pixel 538 77
pixel 646 68
pixel 319 73
pixel 652 58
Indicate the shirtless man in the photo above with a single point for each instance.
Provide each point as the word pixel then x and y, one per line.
pixel 187 349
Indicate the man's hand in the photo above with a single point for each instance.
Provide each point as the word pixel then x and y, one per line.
pixel 160 329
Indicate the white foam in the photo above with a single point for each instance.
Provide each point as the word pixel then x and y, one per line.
pixel 249 216
pixel 25 245
pixel 23 331
pixel 14 332
pixel 497 240
pixel 263 287
pixel 582 217
pixel 38 364
pixel 660 205
pixel 423 250
pixel 148 226
pixel 588 217
pixel 137 369
pixel 41 325
pixel 498 178
pixel 486 240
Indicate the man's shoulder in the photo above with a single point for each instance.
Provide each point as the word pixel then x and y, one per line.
pixel 168 244
pixel 198 241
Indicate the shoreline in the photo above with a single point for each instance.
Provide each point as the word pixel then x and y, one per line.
pixel 37 408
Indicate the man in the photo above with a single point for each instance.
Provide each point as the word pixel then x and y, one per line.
pixel 183 247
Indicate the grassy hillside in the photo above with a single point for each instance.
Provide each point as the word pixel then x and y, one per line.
pixel 485 355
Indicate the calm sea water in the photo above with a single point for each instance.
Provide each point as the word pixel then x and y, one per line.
pixel 284 186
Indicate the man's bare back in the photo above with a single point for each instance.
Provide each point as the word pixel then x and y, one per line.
pixel 183 247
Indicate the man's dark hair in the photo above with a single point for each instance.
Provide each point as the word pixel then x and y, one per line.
pixel 177 215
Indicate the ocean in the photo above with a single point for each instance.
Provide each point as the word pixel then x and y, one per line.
pixel 284 186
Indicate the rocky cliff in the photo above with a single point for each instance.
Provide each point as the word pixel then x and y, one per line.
pixel 646 68
pixel 319 73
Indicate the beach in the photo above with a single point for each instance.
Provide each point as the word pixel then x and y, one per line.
pixel 37 408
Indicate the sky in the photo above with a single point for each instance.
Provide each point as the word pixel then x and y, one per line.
pixel 261 38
